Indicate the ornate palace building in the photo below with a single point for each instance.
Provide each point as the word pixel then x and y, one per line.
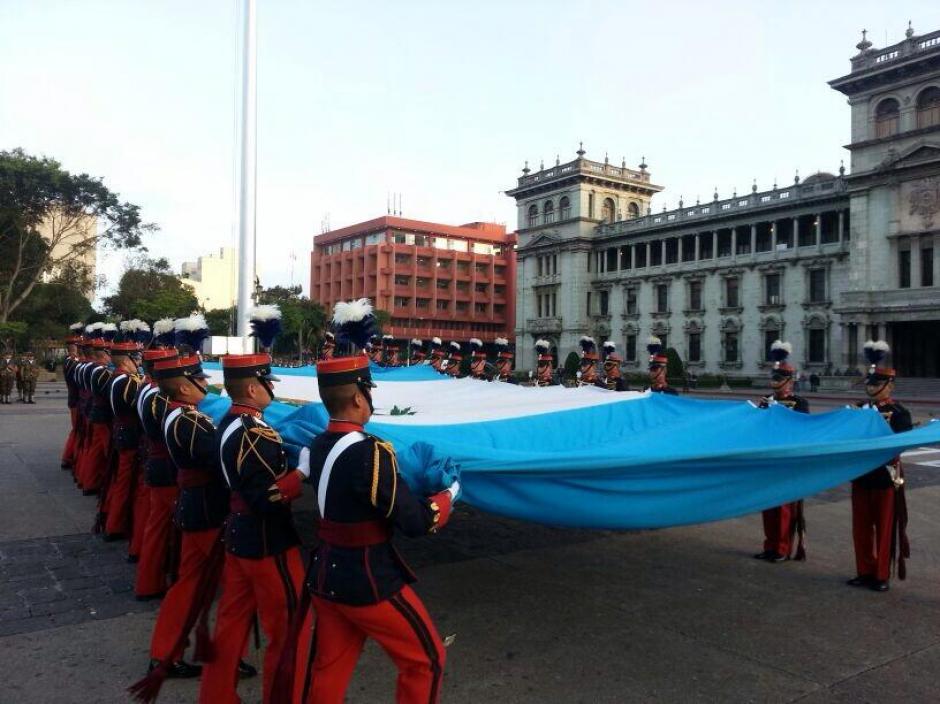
pixel 825 262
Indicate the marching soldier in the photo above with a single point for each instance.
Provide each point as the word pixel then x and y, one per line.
pixel 263 569
pixel 390 357
pixel 504 361
pixel 783 523
pixel 7 377
pixel 97 380
pixel 28 372
pixel 477 359
pixel 879 507
pixel 613 378
pixel 82 376
pixel 544 374
pixel 328 348
pixel 360 585
pixel 438 355
pixel 588 369
pixel 454 360
pixel 68 369
pixel 418 354
pixel 657 369
pixel 203 504
pixel 374 349
pixel 122 394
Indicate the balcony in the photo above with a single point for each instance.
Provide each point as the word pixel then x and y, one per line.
pixel 913 303
pixel 544 325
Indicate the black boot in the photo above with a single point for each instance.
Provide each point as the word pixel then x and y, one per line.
pixel 246 671
pixel 879 585
pixel 763 555
pixel 862 580
pixel 179 670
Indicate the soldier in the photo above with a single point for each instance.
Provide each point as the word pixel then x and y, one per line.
pixel 657 369
pixel 263 569
pixel 81 375
pixel 28 372
pixel 613 378
pixel 438 355
pixel 328 348
pixel 360 586
pixel 783 523
pixel 68 368
pixel 374 349
pixel 98 449
pixel 390 356
pixel 504 361
pixel 544 374
pixel 588 368
pixel 123 388
pixel 18 379
pixel 879 507
pixel 203 504
pixel 7 377
pixel 418 354
pixel 454 360
pixel 477 359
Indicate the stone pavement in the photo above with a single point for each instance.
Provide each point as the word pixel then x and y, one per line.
pixel 541 615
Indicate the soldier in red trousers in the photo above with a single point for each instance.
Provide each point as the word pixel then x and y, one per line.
pixel 879 507
pixel 359 583
pixel 263 571
pixel 72 359
pixel 98 444
pixel 783 523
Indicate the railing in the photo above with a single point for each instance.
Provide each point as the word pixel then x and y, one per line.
pixel 583 166
pixel 902 50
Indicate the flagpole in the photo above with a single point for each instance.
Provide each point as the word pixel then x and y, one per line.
pixel 245 169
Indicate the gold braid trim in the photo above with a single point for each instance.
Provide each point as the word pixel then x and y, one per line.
pixel 249 445
pixel 376 457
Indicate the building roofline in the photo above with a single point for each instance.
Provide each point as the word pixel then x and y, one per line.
pixel 481 232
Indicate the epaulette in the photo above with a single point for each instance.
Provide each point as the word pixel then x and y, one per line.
pixel 380 446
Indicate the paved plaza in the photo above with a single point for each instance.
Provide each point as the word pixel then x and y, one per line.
pixel 541 615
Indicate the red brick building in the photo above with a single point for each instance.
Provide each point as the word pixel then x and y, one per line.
pixel 434 280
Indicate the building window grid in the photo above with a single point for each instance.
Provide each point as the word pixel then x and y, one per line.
pixel 695 347
pixel 732 291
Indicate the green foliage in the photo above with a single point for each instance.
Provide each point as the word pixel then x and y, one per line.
pixel 674 367
pixel 396 411
pixel 572 365
pixel 220 321
pixel 148 290
pixel 46 225
pixel 302 321
pixel 50 309
pixel 383 320
pixel 12 334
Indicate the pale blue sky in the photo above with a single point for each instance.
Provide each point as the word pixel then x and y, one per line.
pixel 440 101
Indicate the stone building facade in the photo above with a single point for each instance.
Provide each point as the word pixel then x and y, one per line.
pixel 825 262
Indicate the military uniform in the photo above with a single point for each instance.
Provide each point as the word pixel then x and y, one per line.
pixel 544 374
pixel 454 360
pixel 612 379
pixel 504 361
pixel 437 355
pixel 588 368
pixel 203 504
pixel 263 569
pixel 418 355
pixel 477 359
pixel 359 583
pixel 157 557
pixel 7 378
pixel 72 439
pixel 28 372
pixel 96 381
pixel 657 367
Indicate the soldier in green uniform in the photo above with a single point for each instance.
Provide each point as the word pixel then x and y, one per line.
pixel 7 376
pixel 28 374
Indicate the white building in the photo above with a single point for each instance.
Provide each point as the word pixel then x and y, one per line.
pixel 213 278
pixel 825 262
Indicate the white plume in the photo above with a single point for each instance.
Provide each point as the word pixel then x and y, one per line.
pixel 162 326
pixel 881 345
pixel 264 312
pixel 610 345
pixel 780 345
pixel 436 340
pixel 476 342
pixel 654 340
pixel 351 311
pixel 197 321
pixel 416 342
pixel 543 345
pixel 586 338
pixel 502 341
pixel 94 327
pixel 77 327
pixel 386 338
pixel 455 346
pixel 108 327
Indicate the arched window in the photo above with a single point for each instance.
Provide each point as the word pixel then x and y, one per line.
pixel 609 210
pixel 533 215
pixel 548 212
pixel 928 107
pixel 564 206
pixel 633 210
pixel 887 118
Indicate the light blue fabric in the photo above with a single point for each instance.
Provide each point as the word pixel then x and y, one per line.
pixel 418 372
pixel 648 463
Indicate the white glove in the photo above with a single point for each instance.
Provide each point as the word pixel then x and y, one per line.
pixel 303 462
pixel 453 490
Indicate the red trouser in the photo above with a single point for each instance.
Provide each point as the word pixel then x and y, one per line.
pixel 152 568
pixel 141 511
pixel 81 446
pixel 118 502
pixel 94 464
pixel 778 528
pixel 269 586
pixel 400 624
pixel 69 451
pixel 872 523
pixel 195 553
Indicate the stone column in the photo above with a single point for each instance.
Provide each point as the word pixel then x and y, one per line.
pixel 734 242
pixel 630 257
pixel 662 254
pixel 649 252
pixel 915 263
pixel 773 236
pixel 698 246
pixel 679 248
pixel 796 232
pixel 841 226
pixel 818 230
pixel 753 239
pixel 936 262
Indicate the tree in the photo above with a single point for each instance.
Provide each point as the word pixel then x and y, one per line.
pixel 220 321
pixel 302 320
pixel 674 367
pixel 572 365
pixel 50 309
pixel 50 220
pixel 383 320
pixel 149 291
